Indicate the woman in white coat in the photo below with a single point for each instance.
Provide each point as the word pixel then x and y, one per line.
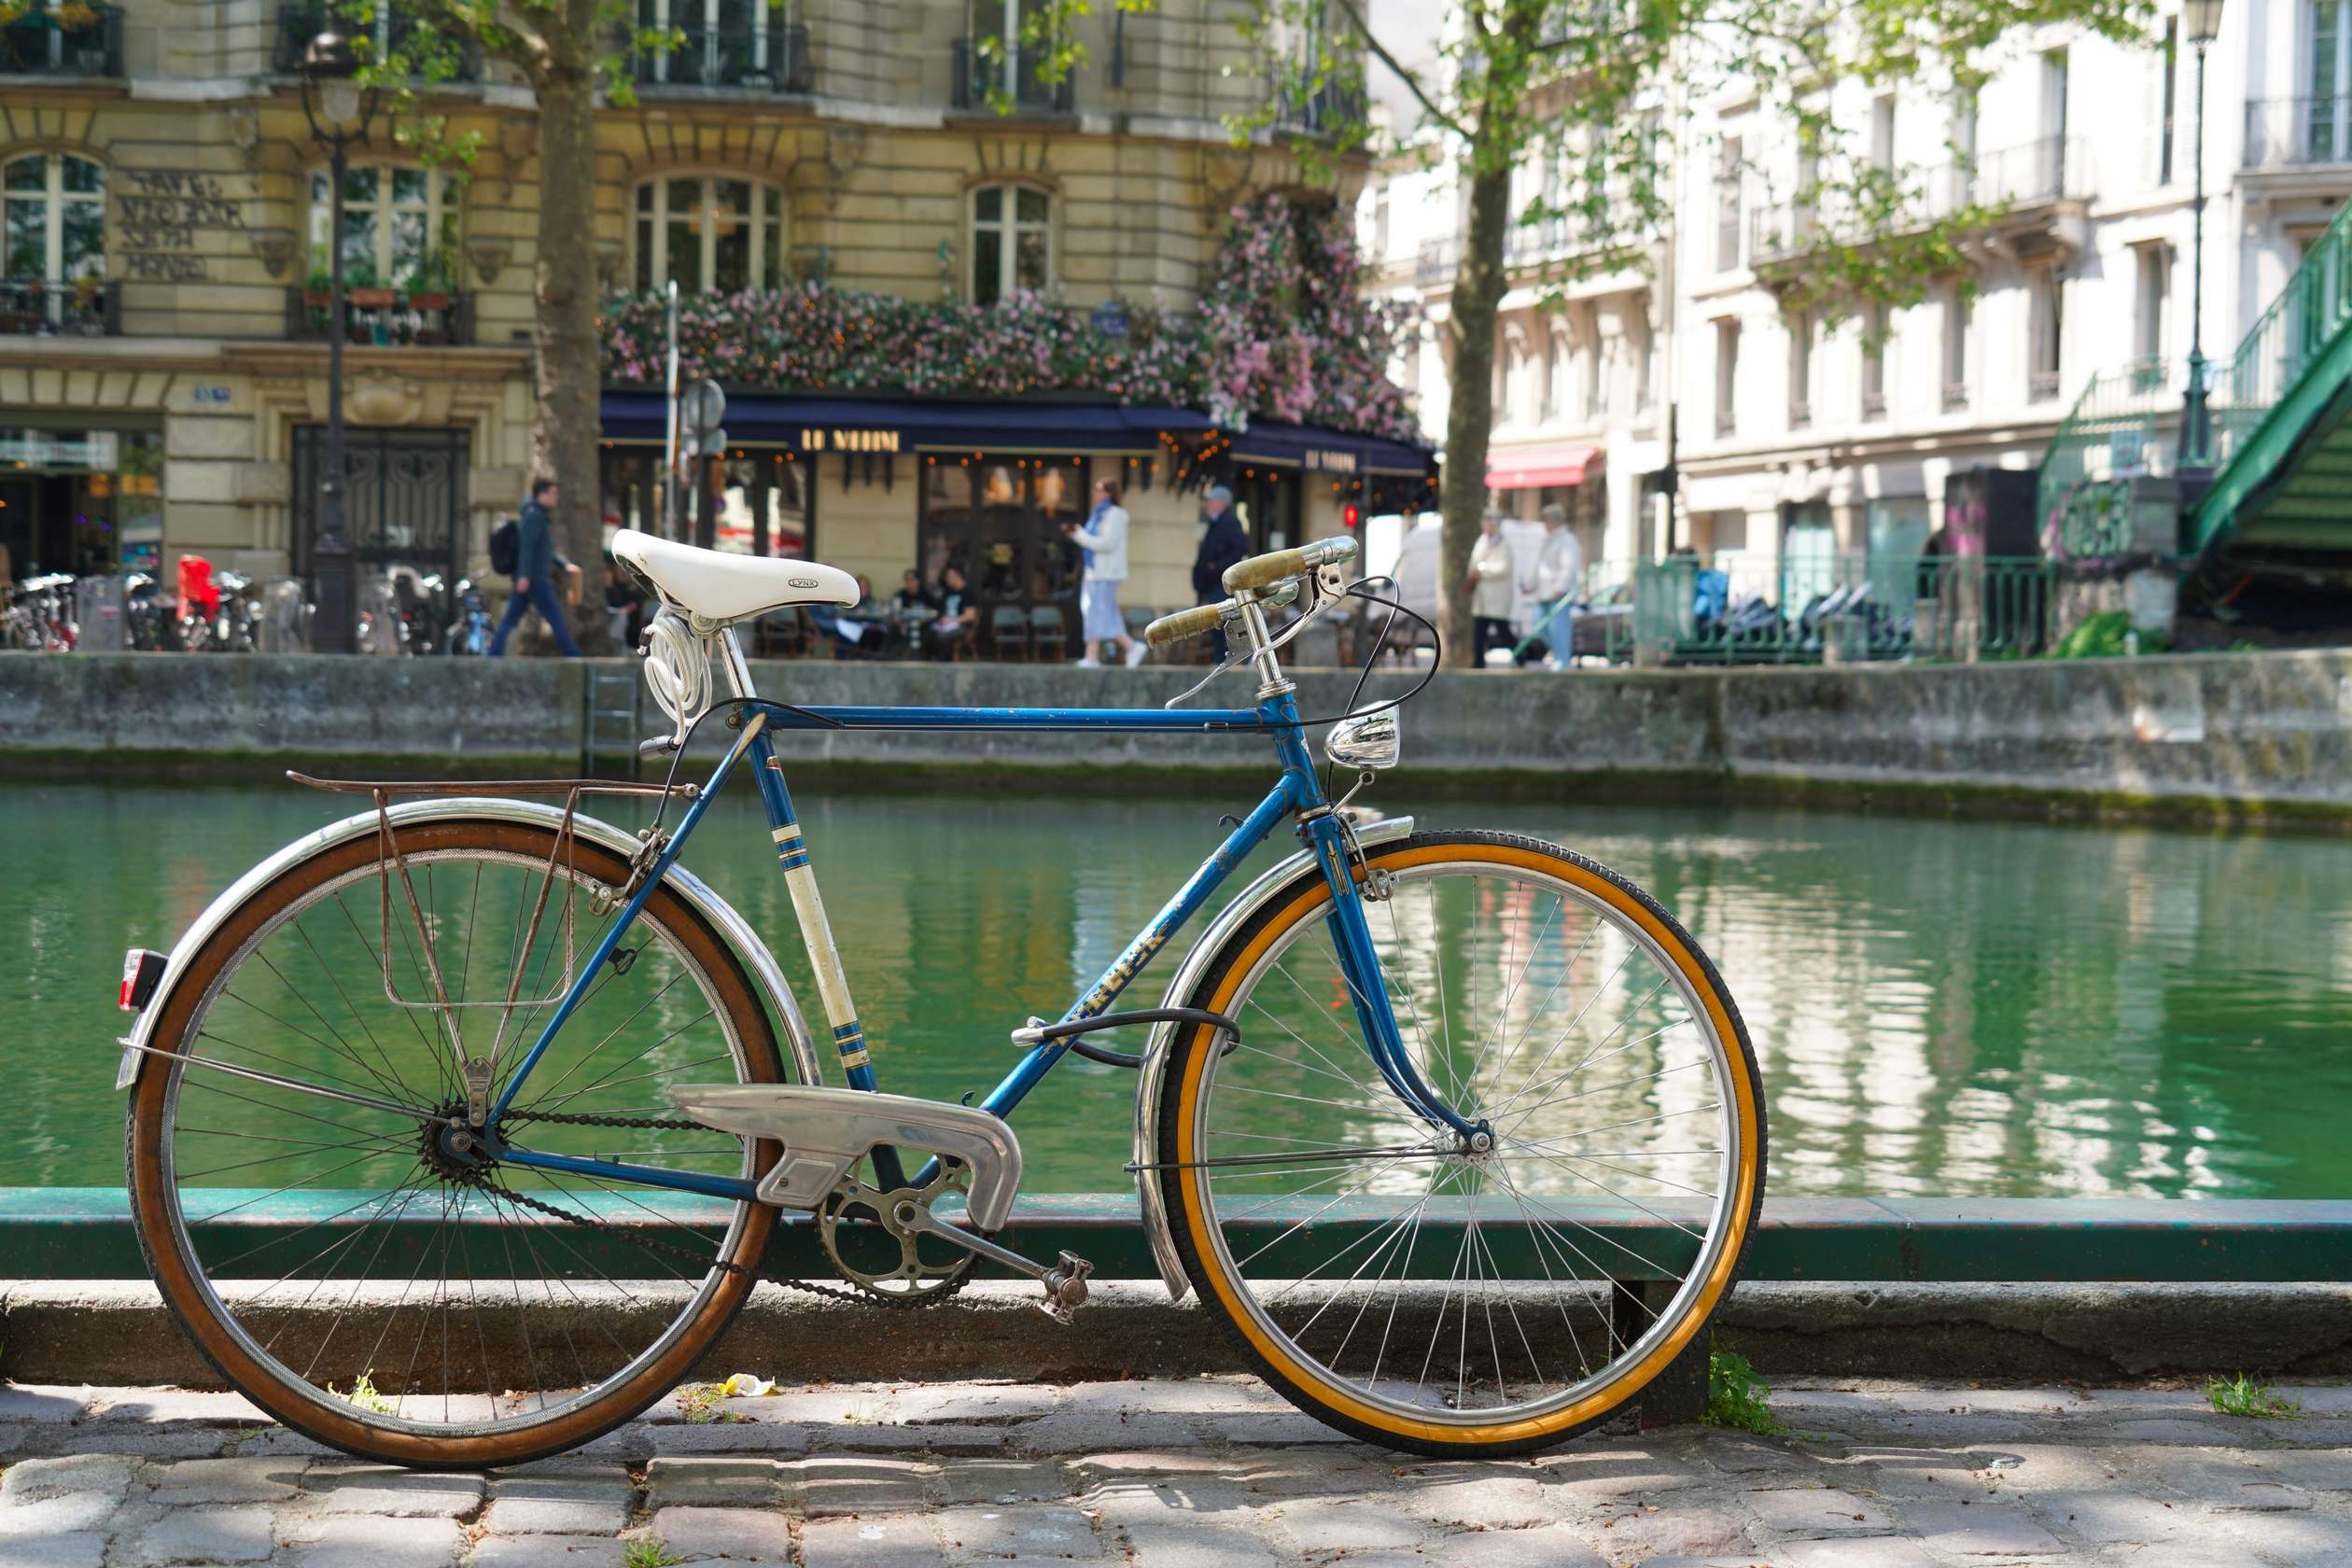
pixel 1104 538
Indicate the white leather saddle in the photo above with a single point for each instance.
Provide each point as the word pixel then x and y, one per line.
pixel 719 587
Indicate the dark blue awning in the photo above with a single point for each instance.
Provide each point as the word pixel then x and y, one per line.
pixel 816 423
pixel 828 424
pixel 1319 451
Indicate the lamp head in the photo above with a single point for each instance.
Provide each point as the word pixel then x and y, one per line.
pixel 2202 19
pixel 331 63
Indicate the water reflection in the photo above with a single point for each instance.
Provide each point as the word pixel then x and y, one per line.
pixel 1940 1008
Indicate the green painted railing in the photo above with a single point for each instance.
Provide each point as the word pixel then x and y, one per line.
pixel 2288 370
pixel 84 1232
pixel 1800 608
pixel 2284 343
pixel 2121 427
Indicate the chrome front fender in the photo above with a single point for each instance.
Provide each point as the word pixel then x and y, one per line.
pixel 732 928
pixel 1180 988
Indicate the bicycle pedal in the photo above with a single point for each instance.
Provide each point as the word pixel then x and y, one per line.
pixel 1065 1287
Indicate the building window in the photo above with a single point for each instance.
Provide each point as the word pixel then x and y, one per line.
pixel 53 211
pixel 1560 372
pixel 1957 312
pixel 2169 64
pixel 2046 299
pixel 1728 223
pixel 394 222
pixel 1012 242
pixel 1882 132
pixel 704 232
pixel 1874 330
pixel 1800 347
pixel 1727 376
pixel 2151 315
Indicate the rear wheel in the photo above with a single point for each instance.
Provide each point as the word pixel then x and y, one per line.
pixel 1380 1274
pixel 346 1266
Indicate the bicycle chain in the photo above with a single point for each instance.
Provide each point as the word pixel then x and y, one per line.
pixel 647 1243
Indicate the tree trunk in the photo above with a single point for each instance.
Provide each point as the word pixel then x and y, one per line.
pixel 565 427
pixel 1478 287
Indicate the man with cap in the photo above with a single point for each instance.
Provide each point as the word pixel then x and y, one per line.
pixel 1221 543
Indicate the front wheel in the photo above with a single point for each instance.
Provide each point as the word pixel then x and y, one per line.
pixel 1380 1274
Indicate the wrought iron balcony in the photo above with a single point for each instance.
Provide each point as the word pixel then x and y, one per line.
pixel 755 56
pixel 83 307
pixel 2041 387
pixel 300 21
pixel 1306 109
pixel 1012 72
pixel 2298 133
pixel 377 317
pixel 1436 262
pixel 64 39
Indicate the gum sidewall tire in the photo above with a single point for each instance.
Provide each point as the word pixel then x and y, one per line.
pixel 1299 900
pixel 173 1275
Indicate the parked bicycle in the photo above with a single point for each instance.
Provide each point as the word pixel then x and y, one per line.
pixel 471 630
pixel 39 615
pixel 459 1129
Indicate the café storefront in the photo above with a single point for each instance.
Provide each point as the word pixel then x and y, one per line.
pixel 880 486
pixel 80 500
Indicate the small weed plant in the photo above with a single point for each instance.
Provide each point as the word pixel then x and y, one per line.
pixel 650 1551
pixel 699 1403
pixel 363 1396
pixel 1736 1397
pixel 2242 1395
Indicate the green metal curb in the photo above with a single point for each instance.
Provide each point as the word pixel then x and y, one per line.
pixel 85 1233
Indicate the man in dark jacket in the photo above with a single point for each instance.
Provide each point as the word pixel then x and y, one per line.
pixel 1221 543
pixel 535 572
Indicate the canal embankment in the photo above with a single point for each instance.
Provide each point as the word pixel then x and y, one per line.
pixel 2261 736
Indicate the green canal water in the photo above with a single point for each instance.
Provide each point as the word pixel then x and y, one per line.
pixel 1940 1008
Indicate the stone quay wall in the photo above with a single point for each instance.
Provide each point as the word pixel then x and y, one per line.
pixel 2256 737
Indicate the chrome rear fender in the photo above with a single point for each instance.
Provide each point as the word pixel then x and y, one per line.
pixel 732 928
pixel 1180 989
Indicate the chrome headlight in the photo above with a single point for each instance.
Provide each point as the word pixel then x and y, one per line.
pixel 1366 740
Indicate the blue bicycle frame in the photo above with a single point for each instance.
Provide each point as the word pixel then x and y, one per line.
pixel 1297 793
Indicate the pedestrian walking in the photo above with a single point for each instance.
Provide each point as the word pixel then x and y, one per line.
pixel 1221 543
pixel 1489 589
pixel 535 572
pixel 1559 577
pixel 1103 539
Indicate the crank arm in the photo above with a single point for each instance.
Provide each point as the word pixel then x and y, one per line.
pixel 412 1112
pixel 1065 1283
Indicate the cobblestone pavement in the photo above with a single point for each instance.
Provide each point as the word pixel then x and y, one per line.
pixel 1210 1472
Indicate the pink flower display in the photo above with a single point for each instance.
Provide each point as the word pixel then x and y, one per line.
pixel 1282 331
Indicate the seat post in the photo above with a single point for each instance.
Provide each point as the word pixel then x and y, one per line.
pixel 739 672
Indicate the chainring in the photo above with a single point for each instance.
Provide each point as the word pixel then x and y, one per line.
pixel 909 1279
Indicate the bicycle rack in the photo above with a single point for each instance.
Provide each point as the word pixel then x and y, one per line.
pixel 609 697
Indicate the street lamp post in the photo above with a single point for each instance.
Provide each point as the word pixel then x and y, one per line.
pixel 2203 23
pixel 339 114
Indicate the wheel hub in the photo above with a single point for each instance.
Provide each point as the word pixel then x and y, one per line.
pixel 455 1152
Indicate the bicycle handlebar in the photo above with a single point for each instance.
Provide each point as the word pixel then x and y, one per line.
pixel 1179 624
pixel 1260 571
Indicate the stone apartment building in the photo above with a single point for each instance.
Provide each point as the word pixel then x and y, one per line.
pixel 163 354
pixel 1798 442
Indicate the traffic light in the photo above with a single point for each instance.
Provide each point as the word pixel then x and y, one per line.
pixel 1352 516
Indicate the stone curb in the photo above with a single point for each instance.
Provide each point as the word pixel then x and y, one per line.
pixel 106 1331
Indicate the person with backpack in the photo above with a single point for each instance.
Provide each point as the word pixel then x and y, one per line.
pixel 524 549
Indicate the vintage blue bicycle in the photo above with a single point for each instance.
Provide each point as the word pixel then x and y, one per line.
pixel 459 1130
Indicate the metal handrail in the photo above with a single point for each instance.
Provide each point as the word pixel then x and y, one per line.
pixel 975 76
pixel 2288 335
pixel 88 307
pixel 37 44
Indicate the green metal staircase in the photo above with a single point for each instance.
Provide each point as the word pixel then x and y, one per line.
pixel 2282 445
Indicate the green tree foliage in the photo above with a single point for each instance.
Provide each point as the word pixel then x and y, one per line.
pixel 1586 96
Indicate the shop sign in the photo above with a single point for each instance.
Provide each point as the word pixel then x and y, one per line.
pixel 37 449
pixel 212 393
pixel 1321 460
pixel 850 441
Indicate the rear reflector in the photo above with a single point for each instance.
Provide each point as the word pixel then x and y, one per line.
pixel 141 970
